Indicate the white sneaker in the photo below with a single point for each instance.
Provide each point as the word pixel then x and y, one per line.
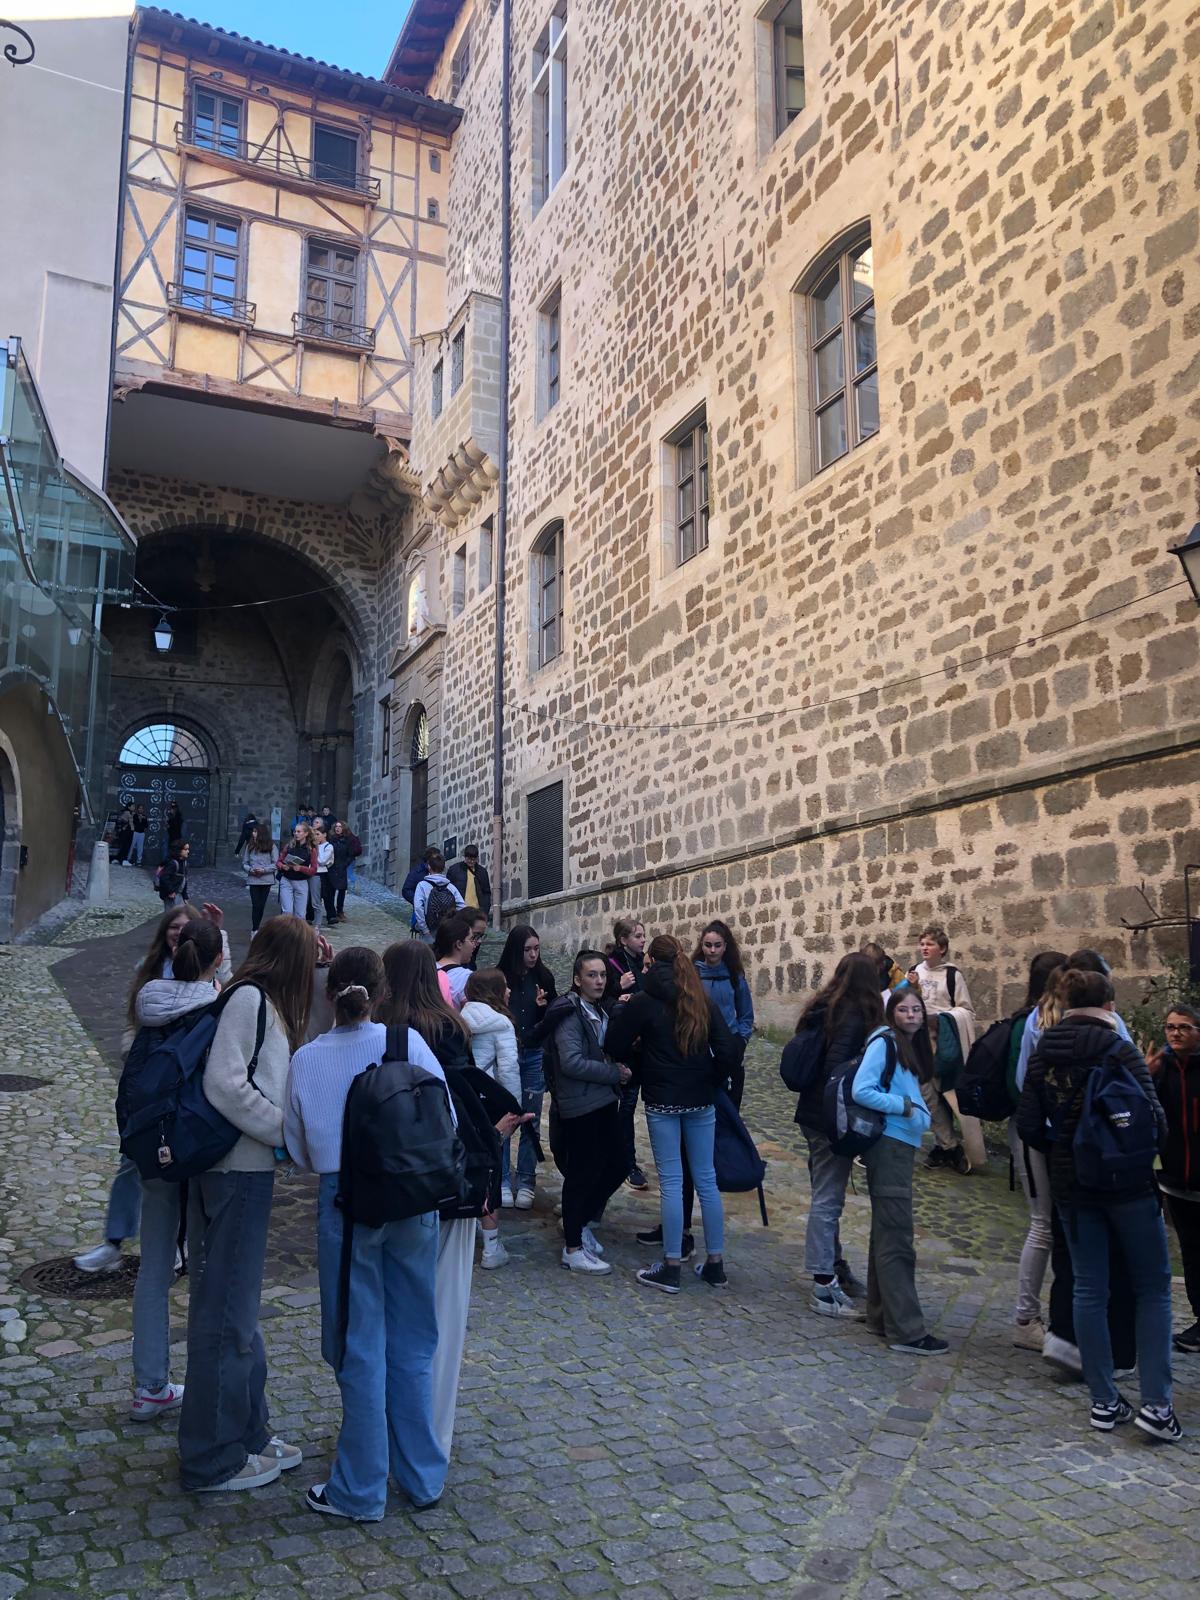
pixel 103 1258
pixel 831 1300
pixel 524 1198
pixel 506 1195
pixel 497 1256
pixel 591 1244
pixel 583 1261
pixel 1062 1354
pixel 257 1472
pixel 287 1455
pixel 147 1404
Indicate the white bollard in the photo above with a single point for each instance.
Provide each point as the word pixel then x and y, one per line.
pixel 97 889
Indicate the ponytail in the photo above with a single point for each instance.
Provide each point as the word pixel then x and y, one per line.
pixel 198 948
pixel 354 984
pixel 691 1004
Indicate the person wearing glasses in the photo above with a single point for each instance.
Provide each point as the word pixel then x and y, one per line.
pixel 1176 1069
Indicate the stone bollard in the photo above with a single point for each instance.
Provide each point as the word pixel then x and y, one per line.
pixel 97 889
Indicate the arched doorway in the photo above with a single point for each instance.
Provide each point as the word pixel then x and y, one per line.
pixel 418 756
pixel 10 844
pixel 161 762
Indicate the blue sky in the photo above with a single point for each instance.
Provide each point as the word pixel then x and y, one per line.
pixel 358 34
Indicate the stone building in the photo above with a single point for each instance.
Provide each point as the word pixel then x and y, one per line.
pixel 855 403
pixel 281 239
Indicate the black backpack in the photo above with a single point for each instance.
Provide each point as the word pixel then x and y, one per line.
pixel 439 903
pixel 739 1167
pixel 850 1128
pixel 984 1088
pixel 481 1144
pixel 1116 1137
pixel 803 1061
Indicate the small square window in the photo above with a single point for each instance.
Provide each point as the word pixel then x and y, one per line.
pixel 436 398
pixel 458 355
pixel 460 66
pixel 432 210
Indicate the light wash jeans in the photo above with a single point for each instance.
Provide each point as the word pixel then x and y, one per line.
pixel 828 1175
pixel 124 1204
pixel 293 896
pixel 386 1371
pixel 138 848
pixel 1034 1174
pixel 224 1415
pixel 1141 1235
pixel 694 1130
pixel 156 1274
pixel 314 898
pixel 533 1088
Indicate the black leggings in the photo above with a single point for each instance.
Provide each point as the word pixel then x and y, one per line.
pixel 327 897
pixel 258 903
pixel 339 900
pixel 594 1156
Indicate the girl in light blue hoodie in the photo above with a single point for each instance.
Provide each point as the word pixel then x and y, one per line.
pixel 719 963
pixel 888 1079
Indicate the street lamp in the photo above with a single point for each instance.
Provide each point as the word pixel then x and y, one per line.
pixel 1189 559
pixel 164 636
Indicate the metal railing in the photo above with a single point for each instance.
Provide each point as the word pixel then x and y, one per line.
pixel 211 303
pixel 282 162
pixel 352 334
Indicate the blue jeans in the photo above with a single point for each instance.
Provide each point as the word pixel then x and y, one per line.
pixel 386 1371
pixel 694 1131
pixel 124 1204
pixel 293 896
pixel 156 1274
pixel 533 1087
pixel 828 1175
pixel 224 1415
pixel 1141 1236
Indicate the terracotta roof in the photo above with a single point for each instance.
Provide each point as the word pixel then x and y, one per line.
pixel 218 43
pixel 421 42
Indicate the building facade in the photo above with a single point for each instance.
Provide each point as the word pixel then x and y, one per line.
pixel 855 403
pixel 282 239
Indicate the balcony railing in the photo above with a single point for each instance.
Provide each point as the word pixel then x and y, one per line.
pixel 279 161
pixel 211 303
pixel 352 334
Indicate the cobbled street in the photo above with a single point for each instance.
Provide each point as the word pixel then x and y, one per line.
pixel 610 1441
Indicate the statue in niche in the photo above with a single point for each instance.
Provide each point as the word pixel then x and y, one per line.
pixel 418 605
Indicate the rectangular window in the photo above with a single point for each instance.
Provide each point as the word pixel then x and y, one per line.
pixel 548 593
pixel 544 840
pixel 550 106
pixel 549 349
pixel 458 356
pixel 689 478
pixel 330 290
pixel 788 55
pixel 458 584
pixel 335 156
pixel 385 738
pixel 487 538
pixel 216 122
pixel 209 268
pixel 844 374
pixel 460 66
pixel 436 400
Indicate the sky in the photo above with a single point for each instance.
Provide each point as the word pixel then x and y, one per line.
pixel 356 34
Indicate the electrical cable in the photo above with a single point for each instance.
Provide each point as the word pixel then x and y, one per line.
pixel 234 605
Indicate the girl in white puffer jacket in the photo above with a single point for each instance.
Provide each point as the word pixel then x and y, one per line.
pixel 493 1050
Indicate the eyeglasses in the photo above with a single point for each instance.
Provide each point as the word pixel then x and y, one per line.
pixel 1180 1027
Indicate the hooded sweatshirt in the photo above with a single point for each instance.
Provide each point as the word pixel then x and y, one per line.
pixel 731 999
pixel 493 1044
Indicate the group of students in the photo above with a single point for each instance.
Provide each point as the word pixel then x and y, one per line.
pixel 312 868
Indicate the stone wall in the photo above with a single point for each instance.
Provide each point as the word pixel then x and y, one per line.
pixel 942 675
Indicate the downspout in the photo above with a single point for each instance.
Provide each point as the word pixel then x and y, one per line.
pixel 501 563
pixel 122 183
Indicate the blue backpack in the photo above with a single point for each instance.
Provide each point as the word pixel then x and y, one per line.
pixel 739 1167
pixel 1116 1138
pixel 166 1125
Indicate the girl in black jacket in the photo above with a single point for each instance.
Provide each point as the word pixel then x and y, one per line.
pixel 531 990
pixel 835 1024
pixel 1052 1107
pixel 684 1054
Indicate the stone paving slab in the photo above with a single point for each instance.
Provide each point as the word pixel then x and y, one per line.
pixel 610 1441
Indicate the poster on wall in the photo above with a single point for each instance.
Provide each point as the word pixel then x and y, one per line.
pixel 276 823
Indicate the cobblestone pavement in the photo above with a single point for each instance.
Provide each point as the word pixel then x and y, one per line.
pixel 610 1441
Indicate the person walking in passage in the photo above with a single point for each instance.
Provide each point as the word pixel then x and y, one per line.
pixel 225 1441
pixel 141 823
pixel 897 1060
pixel 1176 1071
pixel 472 882
pixel 1054 1102
pixel 297 867
pixel 338 877
pixel 258 863
pixel 434 898
pixel 320 904
pixel 173 875
pixel 530 991
pixel 384 1367
pixel 685 1052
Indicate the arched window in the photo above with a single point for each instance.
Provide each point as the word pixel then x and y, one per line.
pixel 420 739
pixel 162 744
pixel 547 576
pixel 843 374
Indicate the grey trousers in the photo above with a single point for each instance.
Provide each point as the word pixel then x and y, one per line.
pixel 828 1175
pixel 892 1305
pixel 940 1115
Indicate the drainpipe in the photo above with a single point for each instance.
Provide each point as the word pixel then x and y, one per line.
pixel 501 563
pixel 134 25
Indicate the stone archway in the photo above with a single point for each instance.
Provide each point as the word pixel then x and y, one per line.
pixel 10 838
pixel 164 761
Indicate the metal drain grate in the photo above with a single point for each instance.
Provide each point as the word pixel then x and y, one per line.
pixel 61 1279
pixel 18 1082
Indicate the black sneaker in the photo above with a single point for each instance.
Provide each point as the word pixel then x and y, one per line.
pixel 661 1276
pixel 650 1235
pixel 1189 1340
pixel 936 1157
pixel 1160 1422
pixel 654 1236
pixel 848 1283
pixel 637 1179
pixel 713 1274
pixel 957 1160
pixel 1108 1417
pixel 926 1345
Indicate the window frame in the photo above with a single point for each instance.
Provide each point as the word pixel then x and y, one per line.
pixel 487 543
pixel 339 132
pixel 437 389
pixel 780 71
pixel 460 64
pixel 839 260
pixel 693 432
pixel 385 738
pixel 214 219
pixel 219 95
pixel 458 581
pixel 330 329
pixel 458 360
pixel 549 106
pixel 549 352
pixel 548 555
